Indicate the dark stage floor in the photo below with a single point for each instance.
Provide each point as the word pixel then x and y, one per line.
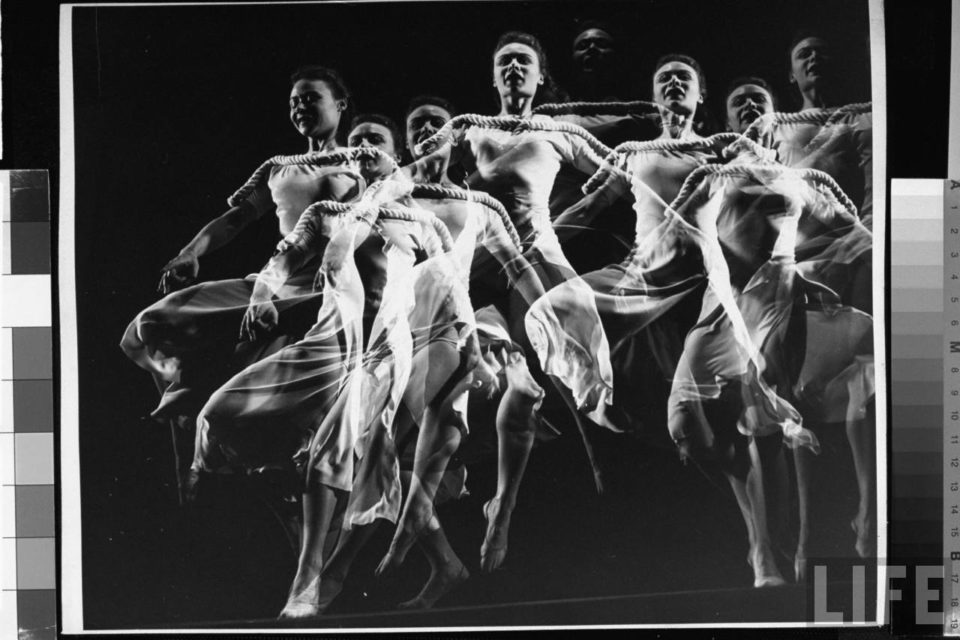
pixel 665 543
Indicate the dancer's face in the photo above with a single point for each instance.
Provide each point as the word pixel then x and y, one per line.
pixel 810 62
pixel 516 70
pixel 423 122
pixel 745 104
pixel 676 86
pixel 592 50
pixel 371 134
pixel 314 110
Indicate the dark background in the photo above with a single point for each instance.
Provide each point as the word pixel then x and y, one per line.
pixel 175 106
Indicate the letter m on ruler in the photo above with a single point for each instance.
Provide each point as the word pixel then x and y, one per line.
pixel 955 347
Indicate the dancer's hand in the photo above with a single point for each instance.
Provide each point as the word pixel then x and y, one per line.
pixel 260 319
pixel 178 273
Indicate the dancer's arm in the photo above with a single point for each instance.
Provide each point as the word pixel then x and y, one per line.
pixel 581 215
pixel 517 268
pixel 433 166
pixel 184 268
pixel 307 239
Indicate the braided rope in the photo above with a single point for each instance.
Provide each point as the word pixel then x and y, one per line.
pixel 442 136
pixel 755 148
pixel 421 216
pixel 760 172
pixel 406 214
pixel 323 159
pixel 693 181
pixel 327 208
pixel 613 108
pixel 480 197
pixel 806 116
pixel 508 123
pixel 672 144
pixel 617 156
pixel 826 181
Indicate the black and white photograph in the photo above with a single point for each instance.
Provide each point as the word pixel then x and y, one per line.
pixel 396 315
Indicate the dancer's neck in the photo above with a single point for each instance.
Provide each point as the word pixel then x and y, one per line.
pixel 322 144
pixel 516 105
pixel 813 98
pixel 676 126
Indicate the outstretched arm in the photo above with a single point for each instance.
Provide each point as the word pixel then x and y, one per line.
pixel 183 269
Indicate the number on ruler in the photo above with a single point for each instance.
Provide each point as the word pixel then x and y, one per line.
pixel 954 510
pixel 955 486
pixel 955 462
pixel 955 439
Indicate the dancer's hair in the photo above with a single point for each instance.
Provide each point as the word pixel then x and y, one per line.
pixel 742 80
pixel 437 101
pixel 550 91
pixel 384 121
pixel 703 122
pixel 333 80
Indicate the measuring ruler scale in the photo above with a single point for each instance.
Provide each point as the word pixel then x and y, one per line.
pixel 951 405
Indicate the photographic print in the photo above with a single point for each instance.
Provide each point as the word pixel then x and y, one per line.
pixel 470 315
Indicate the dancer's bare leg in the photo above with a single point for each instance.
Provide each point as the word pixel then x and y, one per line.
pixel 439 438
pixel 776 488
pixel 749 491
pixel 862 440
pixel 803 461
pixel 515 430
pixel 319 504
pixel 335 570
pixel 446 570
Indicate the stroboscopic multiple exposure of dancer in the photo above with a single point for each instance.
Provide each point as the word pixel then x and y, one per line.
pixel 194 339
pixel 736 316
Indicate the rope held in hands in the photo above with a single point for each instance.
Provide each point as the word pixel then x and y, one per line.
pixel 324 159
pixel 480 197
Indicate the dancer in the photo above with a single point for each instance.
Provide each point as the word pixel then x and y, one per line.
pixel 439 380
pixel 442 358
pixel 747 99
pixel 630 296
pixel 596 84
pixel 516 157
pixel 415 346
pixel 664 268
pixel 188 340
pixel 838 141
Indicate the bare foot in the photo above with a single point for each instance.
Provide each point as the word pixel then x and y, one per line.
pixel 440 584
pixel 406 535
pixel 494 547
pixel 303 603
pixel 800 566
pixel 314 600
pixel 765 571
pixel 866 542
